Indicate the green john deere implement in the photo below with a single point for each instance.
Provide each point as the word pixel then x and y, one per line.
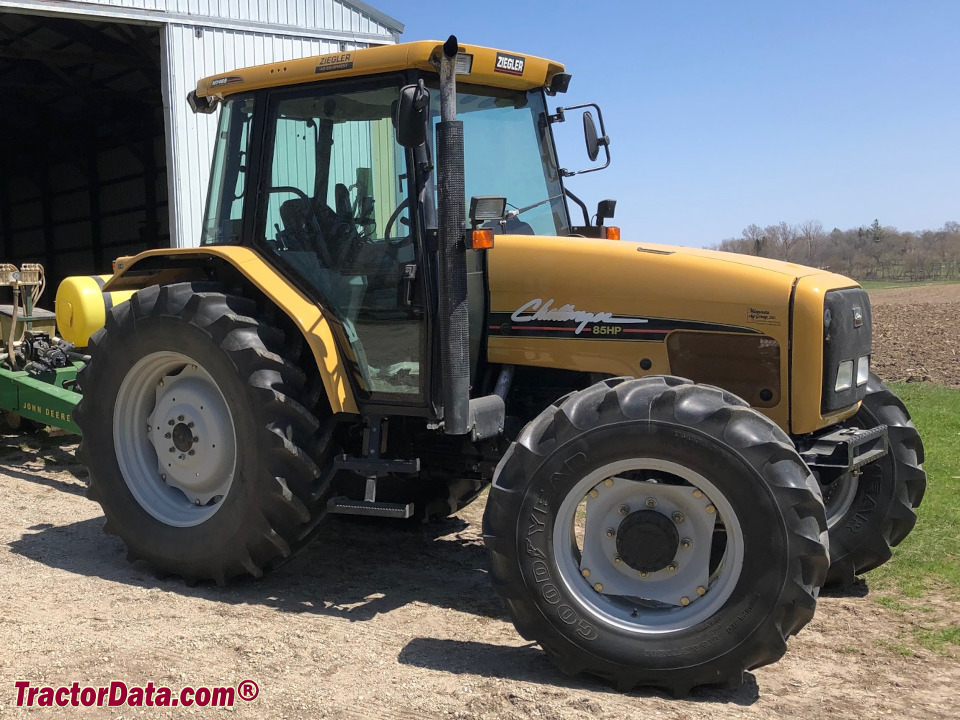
pixel 38 371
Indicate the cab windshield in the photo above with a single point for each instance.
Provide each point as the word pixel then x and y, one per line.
pixel 508 151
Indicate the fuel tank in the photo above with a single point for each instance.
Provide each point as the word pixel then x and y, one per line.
pixel 81 306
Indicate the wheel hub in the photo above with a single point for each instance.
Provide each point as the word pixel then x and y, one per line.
pixel 182 437
pixel 647 541
pixel 195 451
pixel 175 439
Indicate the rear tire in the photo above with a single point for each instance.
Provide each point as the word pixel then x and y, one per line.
pixel 873 513
pixel 196 424
pixel 690 486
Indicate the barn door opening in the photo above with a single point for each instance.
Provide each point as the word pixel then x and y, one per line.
pixel 82 148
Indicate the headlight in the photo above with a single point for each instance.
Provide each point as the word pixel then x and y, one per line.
pixel 863 370
pixel 844 376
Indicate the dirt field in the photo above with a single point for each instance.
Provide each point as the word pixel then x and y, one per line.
pixel 369 623
pixel 917 334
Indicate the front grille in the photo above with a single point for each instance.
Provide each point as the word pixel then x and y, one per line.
pixel 847 331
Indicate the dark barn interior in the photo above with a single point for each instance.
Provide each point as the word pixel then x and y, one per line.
pixel 82 146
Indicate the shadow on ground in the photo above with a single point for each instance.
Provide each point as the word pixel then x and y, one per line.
pixel 529 664
pixel 354 571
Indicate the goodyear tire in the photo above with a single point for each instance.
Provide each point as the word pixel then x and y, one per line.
pixel 195 424
pixel 869 514
pixel 656 532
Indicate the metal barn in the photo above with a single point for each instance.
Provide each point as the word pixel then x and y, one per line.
pixel 100 154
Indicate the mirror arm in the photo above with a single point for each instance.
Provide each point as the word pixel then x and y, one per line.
pixel 581 203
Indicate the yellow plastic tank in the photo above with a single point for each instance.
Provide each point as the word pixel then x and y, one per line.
pixel 81 306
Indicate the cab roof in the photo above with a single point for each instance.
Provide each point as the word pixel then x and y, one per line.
pixel 488 66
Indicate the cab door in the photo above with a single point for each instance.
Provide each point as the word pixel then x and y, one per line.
pixel 333 215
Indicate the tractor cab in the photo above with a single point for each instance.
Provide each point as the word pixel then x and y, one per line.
pixel 350 214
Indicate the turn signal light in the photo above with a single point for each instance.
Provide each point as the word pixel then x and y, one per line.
pixel 611 233
pixel 481 239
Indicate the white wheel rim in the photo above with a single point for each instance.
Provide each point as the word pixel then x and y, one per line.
pixel 175 439
pixel 666 600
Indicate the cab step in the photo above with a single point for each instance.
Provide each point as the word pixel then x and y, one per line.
pixel 346 506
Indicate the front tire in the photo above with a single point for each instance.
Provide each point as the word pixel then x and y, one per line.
pixel 656 532
pixel 873 512
pixel 195 426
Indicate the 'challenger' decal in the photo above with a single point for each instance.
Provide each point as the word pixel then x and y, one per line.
pixel 541 318
pixel 540 311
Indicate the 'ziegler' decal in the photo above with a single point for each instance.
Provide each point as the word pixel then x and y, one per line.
pixel 226 80
pixel 509 64
pixel 539 318
pixel 332 63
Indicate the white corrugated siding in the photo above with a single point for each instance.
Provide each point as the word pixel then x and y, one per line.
pixel 306 14
pixel 204 37
pixel 190 137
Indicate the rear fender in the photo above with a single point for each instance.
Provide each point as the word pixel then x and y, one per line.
pixel 165 266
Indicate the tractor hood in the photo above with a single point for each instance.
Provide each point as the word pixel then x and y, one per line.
pixel 619 308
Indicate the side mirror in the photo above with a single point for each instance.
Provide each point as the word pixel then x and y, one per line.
pixel 591 136
pixel 596 139
pixel 412 115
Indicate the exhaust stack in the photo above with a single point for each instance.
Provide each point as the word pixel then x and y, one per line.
pixel 454 319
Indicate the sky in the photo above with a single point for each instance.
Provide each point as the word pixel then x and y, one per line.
pixel 723 114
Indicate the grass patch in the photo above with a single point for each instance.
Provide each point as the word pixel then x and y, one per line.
pixel 930 556
pixel 929 559
pixel 898 648
pixel 939 640
pixel 889 284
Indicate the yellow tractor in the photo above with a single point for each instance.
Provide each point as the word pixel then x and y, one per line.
pixel 393 305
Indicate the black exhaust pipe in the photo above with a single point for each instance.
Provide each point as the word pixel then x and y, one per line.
pixel 454 318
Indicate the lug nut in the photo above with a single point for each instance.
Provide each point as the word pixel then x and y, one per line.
pixel 608 482
pixel 149 428
pixel 643 574
pixel 160 384
pixel 593 493
pixel 191 452
pixel 163 476
pixel 598 587
pixel 180 418
pixel 180 456
pixel 651 502
pixel 197 501
pixel 585 572
pixel 697 494
pixel 684 601
pixel 711 509
pixel 678 517
pixel 686 544
pixel 623 510
pixel 167 436
pixel 190 424
pixel 173 449
pixel 171 422
pixel 617 560
pixel 672 567
pixel 701 590
pixel 196 439
pixel 611 532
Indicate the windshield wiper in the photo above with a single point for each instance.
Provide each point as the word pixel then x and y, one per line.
pixel 517 211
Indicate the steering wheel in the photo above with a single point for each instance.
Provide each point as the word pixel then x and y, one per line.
pixel 394 216
pixel 289 189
